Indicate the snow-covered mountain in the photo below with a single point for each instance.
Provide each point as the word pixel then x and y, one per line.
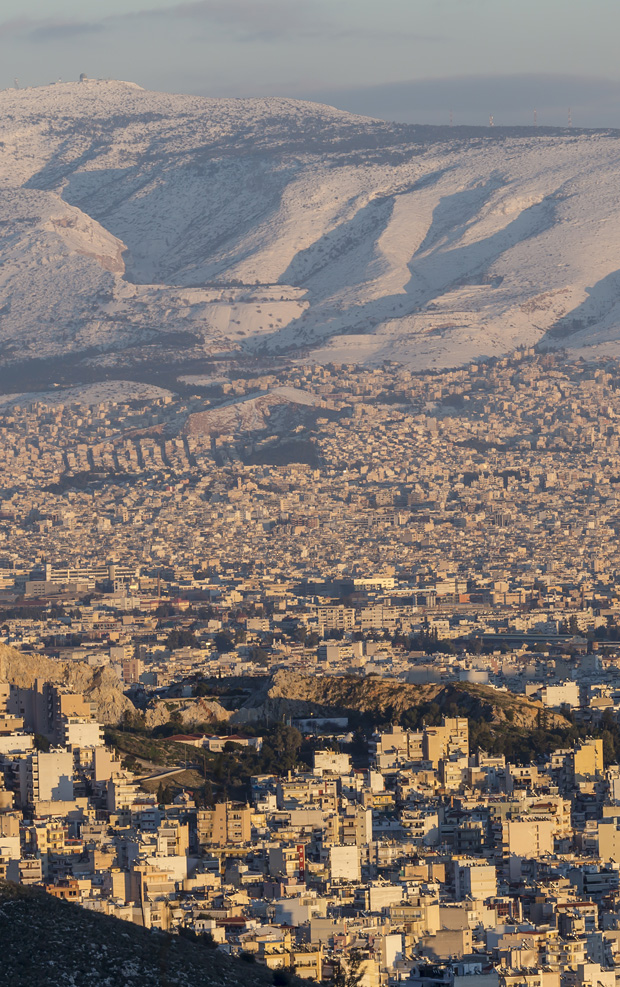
pixel 137 225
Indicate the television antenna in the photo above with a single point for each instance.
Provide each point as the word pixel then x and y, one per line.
pixel 570 117
pixel 16 83
pixel 535 118
pixel 491 121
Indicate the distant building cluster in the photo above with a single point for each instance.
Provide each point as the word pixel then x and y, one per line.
pixel 504 473
pixel 432 530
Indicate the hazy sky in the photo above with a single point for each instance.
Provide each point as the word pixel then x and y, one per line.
pixel 412 60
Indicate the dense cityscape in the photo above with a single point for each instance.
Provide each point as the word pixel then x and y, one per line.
pixel 320 665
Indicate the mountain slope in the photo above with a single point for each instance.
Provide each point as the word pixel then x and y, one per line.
pixel 146 225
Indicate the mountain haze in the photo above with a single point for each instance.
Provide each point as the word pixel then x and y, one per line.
pixel 138 227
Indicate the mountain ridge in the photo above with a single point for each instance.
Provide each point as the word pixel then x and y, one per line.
pixel 271 226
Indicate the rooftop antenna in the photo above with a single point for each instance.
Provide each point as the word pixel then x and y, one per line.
pixel 451 118
pixel 491 121
pixel 570 117
pixel 16 83
pixel 535 118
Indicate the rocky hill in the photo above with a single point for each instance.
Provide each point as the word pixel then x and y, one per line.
pixel 51 943
pixel 140 226
pixel 99 685
pixel 291 694
pixel 190 712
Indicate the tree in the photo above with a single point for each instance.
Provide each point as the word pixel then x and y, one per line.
pixel 208 792
pixel 223 642
pixel 281 978
pixel 165 794
pixel 259 656
pixel 131 763
pixel 609 748
pixel 181 639
pixel 41 743
pixel 349 975
pixel 133 721
pixel 281 749
pixel 359 744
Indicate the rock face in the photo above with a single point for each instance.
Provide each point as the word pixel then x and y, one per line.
pixel 98 685
pixel 192 711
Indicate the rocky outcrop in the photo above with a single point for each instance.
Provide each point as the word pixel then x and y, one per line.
pixel 192 711
pixel 291 694
pixel 99 685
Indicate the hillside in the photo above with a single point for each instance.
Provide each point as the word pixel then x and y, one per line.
pixel 99 685
pixel 142 229
pixel 291 694
pixel 50 943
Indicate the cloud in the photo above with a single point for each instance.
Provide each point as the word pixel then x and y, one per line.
pixel 511 99
pixel 63 30
pixel 50 29
pixel 17 25
pixel 245 21
pixel 274 17
pixel 273 20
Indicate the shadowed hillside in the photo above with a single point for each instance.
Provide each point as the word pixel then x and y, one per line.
pixel 288 693
pixel 51 943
